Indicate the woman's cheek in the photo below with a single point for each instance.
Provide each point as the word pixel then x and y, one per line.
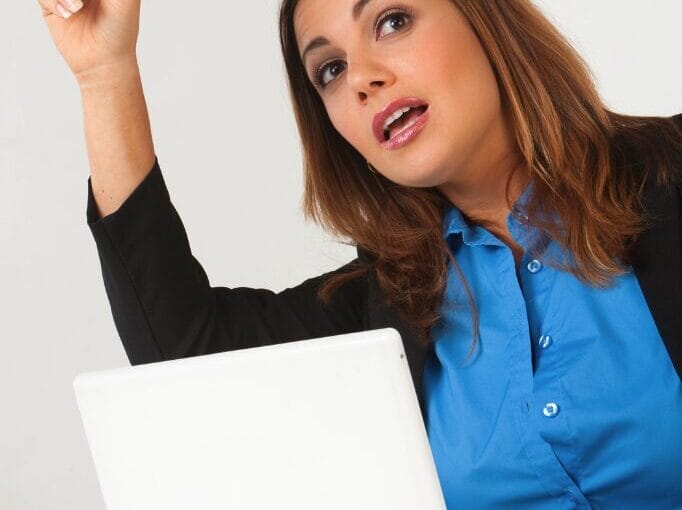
pixel 346 125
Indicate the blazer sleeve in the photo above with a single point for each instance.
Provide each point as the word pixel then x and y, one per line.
pixel 164 307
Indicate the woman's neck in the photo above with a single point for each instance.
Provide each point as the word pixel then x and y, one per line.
pixel 484 198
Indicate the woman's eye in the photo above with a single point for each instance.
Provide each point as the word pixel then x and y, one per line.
pixel 393 19
pixel 322 72
pixel 393 16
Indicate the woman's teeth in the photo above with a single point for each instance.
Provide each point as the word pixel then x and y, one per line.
pixel 401 118
pixel 395 116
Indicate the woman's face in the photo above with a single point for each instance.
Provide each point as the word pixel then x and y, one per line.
pixel 422 49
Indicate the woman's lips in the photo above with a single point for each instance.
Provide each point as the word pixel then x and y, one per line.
pixel 408 133
pixel 380 117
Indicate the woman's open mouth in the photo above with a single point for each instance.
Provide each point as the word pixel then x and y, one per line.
pixel 403 126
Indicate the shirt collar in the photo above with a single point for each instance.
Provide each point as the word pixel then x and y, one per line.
pixel 454 224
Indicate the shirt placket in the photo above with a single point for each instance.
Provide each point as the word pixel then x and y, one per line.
pixel 540 411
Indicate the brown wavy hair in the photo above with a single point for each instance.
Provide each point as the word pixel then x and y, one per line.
pixel 588 165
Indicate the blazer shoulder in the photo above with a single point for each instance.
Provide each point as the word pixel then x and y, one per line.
pixel 653 185
pixel 677 177
pixel 677 119
pixel 365 255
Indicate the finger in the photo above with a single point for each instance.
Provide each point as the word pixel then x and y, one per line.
pixel 64 8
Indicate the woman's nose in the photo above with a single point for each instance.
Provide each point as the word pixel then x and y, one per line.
pixel 368 77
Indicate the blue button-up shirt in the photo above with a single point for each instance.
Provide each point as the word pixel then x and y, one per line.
pixel 569 400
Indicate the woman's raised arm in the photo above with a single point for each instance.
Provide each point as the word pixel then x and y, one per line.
pixel 161 300
pixel 98 43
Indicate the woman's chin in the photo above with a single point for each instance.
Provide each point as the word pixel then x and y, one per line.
pixel 415 178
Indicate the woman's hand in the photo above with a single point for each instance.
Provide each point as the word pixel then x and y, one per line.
pixel 100 34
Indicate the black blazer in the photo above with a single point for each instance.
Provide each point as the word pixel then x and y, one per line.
pixel 164 307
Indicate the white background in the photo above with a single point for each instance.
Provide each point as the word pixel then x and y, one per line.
pixel 227 145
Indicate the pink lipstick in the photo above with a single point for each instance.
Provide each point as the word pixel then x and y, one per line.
pixel 402 120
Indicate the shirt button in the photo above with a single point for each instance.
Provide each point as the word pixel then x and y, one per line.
pixel 521 215
pixel 550 410
pixel 534 266
pixel 545 341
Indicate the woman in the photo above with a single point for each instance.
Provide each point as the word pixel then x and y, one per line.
pixel 524 239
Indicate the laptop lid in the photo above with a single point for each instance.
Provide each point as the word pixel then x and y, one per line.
pixel 329 423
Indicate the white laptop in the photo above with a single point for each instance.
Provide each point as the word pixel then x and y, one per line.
pixel 326 423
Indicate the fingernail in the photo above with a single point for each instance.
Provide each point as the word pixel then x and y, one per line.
pixel 62 11
pixel 74 5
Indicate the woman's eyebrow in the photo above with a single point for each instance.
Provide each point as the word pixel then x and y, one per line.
pixel 323 41
pixel 357 8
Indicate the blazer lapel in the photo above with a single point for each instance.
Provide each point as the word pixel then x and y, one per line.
pixel 380 315
pixel 656 262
